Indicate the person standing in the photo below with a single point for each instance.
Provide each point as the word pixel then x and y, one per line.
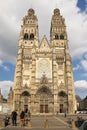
pixel 14 118
pixel 27 117
pixel 22 118
pixel 65 114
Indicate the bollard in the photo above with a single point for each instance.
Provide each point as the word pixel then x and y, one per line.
pixel 46 124
pixel 2 123
pixel 29 124
pixel 73 124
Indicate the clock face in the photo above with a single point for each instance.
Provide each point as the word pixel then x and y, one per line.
pixel 44 67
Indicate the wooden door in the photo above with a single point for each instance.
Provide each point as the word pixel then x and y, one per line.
pixel 46 108
pixel 26 108
pixel 61 108
pixel 41 108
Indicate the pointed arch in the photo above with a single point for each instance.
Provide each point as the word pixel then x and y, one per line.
pixel 62 94
pixel 61 36
pixel 44 90
pixel 25 93
pixel 26 36
pixel 56 36
pixel 31 36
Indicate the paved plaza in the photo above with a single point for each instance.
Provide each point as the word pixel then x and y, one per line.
pixel 39 123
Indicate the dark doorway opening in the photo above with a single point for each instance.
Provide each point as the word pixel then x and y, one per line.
pixel 26 108
pixel 46 108
pixel 61 108
pixel 41 108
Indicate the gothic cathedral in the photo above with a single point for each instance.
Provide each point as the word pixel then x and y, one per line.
pixel 43 80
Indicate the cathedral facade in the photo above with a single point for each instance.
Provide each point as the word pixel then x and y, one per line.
pixel 43 80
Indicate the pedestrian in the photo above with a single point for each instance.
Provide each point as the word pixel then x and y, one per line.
pixel 27 117
pixel 22 118
pixel 7 120
pixel 14 118
pixel 65 114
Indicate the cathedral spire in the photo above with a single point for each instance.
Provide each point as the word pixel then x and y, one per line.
pixel 29 29
pixel 58 28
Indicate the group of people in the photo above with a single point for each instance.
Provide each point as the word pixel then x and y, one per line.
pixel 24 117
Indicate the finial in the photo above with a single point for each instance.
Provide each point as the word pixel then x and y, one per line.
pixel 10 88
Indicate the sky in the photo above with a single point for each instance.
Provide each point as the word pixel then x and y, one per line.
pixel 11 15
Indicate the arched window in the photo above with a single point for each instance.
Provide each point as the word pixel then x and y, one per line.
pixel 31 36
pixel 61 37
pixel 44 90
pixel 56 36
pixel 26 36
pixel 62 94
pixel 25 93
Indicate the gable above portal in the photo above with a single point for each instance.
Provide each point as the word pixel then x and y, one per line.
pixel 44 46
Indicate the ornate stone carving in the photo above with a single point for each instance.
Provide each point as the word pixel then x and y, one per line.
pixel 44 79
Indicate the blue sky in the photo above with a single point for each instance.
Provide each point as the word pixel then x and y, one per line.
pixel 75 14
pixel 82 4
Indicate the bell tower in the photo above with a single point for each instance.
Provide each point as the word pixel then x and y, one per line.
pixel 24 72
pixel 62 65
pixel 58 28
pixel 29 29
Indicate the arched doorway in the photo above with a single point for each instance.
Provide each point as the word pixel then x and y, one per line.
pixel 25 98
pixel 44 103
pixel 45 100
pixel 62 101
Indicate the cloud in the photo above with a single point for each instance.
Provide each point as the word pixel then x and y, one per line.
pixel 11 18
pixel 81 88
pixel 79 52
pixel 84 64
pixel 6 68
pixel 84 74
pixel 5 87
pixel 85 56
pixel 1 62
pixel 86 1
pixel 77 67
pixel 81 84
pixel 81 63
pixel 3 66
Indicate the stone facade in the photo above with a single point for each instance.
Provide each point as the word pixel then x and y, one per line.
pixel 43 80
pixel 10 98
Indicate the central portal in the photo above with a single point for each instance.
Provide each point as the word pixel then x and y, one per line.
pixel 43 108
pixel 44 103
pixel 45 100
